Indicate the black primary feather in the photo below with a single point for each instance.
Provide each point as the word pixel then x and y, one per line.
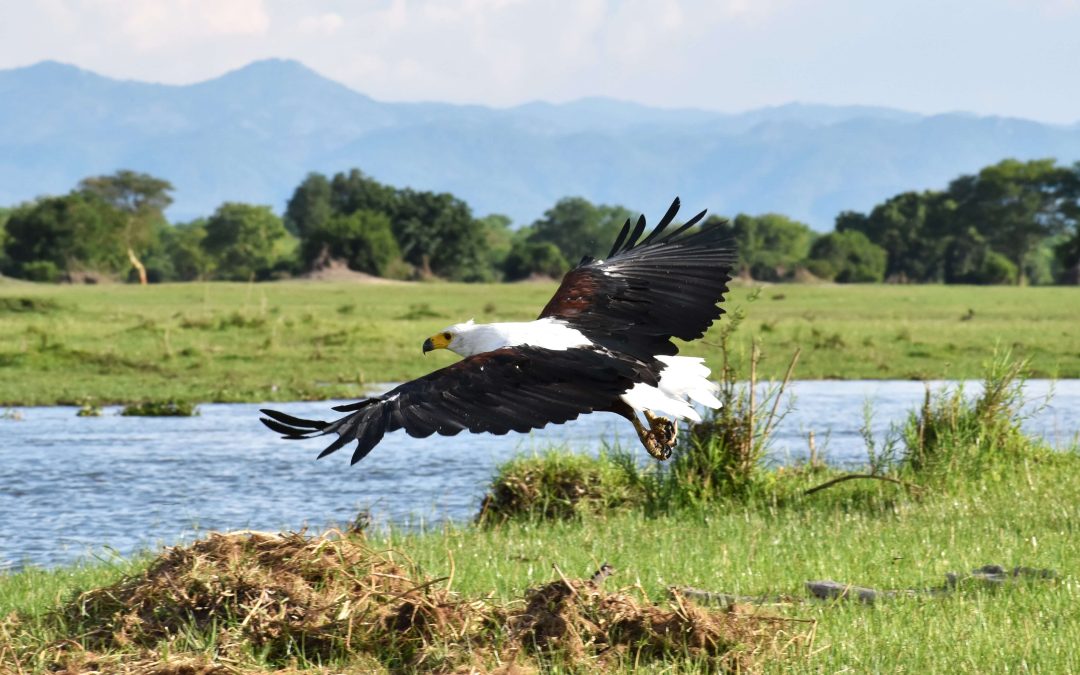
pixel 664 222
pixel 669 285
pixel 620 239
pixel 509 389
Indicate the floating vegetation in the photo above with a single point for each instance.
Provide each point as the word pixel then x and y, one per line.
pixel 160 409
pixel 88 409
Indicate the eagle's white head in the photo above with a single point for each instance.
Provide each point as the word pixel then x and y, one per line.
pixel 467 338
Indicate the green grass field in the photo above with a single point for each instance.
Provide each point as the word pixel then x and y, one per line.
pixel 299 340
pixel 865 534
pixel 306 340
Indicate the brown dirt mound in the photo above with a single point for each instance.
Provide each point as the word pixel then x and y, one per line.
pixel 584 624
pixel 281 594
pixel 332 269
pixel 335 599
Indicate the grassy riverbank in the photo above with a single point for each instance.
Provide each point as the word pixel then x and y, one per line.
pixel 305 340
pixel 869 534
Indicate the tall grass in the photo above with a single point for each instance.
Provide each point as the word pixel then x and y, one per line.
pixel 950 439
pixel 953 434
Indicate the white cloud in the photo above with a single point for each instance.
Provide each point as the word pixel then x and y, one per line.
pixel 154 23
pixel 323 24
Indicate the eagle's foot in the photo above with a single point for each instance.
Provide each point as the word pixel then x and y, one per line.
pixel 655 446
pixel 666 431
pixel 659 438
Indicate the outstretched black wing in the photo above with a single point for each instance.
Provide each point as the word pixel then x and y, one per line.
pixel 509 389
pixel 665 285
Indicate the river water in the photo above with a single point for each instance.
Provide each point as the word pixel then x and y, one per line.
pixel 76 487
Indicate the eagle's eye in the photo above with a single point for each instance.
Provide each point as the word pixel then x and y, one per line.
pixel 446 336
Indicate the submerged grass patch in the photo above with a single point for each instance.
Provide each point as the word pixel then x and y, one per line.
pixel 160 409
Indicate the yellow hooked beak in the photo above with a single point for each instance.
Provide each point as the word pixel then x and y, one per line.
pixel 437 341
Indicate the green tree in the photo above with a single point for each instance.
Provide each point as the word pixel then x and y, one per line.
pixel 913 228
pixel 439 236
pixel 184 246
pixel 310 206
pixel 142 199
pixel 579 228
pixel 498 240
pixel 242 240
pixel 770 246
pixel 1068 255
pixel 1014 205
pixel 527 258
pixel 354 191
pixel 4 215
pixel 969 259
pixel 1067 250
pixel 436 233
pixel 73 233
pixel 847 257
pixel 363 239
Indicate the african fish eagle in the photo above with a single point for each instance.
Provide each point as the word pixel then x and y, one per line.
pixel 602 343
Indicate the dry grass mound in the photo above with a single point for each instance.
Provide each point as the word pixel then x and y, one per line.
pixel 576 621
pixel 258 602
pixel 281 596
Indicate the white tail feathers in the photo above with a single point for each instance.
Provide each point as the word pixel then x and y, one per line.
pixel 684 379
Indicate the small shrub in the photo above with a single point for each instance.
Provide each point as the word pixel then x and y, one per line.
pixel 955 435
pixel 420 311
pixel 557 485
pixel 240 320
pixel 196 322
pixel 160 409
pixel 28 305
pixel 41 270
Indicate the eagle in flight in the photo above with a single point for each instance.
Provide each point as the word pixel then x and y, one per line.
pixel 601 344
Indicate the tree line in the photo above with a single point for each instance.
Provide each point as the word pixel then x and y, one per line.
pixel 1012 222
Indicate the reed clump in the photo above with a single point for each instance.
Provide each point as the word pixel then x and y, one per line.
pixel 954 434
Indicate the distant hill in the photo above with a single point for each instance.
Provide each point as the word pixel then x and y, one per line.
pixel 252 134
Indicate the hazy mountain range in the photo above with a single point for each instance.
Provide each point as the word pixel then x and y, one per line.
pixel 252 134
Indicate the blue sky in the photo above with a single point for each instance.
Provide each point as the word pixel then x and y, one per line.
pixel 1005 57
